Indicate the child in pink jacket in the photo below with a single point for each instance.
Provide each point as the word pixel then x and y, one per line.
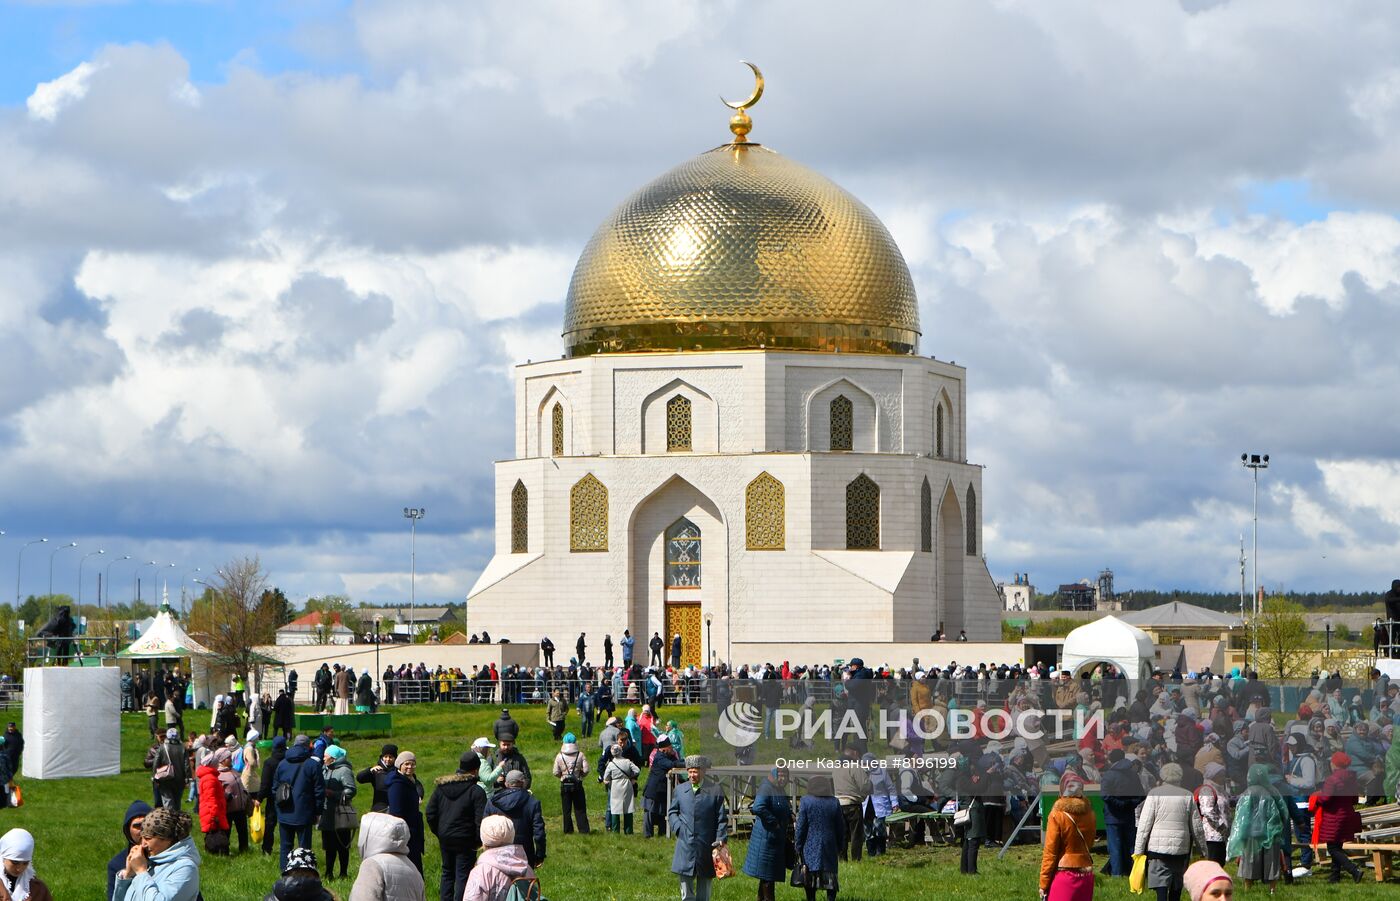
pixel 500 864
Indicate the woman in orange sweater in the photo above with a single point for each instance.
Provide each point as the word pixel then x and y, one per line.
pixel 1066 867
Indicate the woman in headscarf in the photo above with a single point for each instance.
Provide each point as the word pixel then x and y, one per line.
pixel 1259 832
pixel 406 802
pixel 1213 803
pixel 165 864
pixel 1337 822
pixel 364 693
pixel 20 881
pixel 1167 828
pixel 1066 864
pixel 766 859
pixel 821 834
pixel 338 819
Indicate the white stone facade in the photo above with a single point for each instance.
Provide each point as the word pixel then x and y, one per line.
pixel 750 412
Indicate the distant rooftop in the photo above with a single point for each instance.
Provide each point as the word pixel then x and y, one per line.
pixel 1178 615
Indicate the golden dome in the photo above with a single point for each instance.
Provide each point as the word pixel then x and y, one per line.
pixel 741 248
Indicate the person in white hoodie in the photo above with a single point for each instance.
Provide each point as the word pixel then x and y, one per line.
pixel 500 865
pixel 386 873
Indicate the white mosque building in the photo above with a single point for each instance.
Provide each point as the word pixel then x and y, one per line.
pixel 741 442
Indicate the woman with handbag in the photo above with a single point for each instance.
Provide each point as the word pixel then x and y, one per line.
pixel 771 840
pixel 1066 865
pixel 338 817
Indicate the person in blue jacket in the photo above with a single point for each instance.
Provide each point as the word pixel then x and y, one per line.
pixel 306 796
pixel 131 831
pixel 766 859
pixel 165 864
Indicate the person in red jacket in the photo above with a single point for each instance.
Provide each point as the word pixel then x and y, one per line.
pixel 1335 817
pixel 213 807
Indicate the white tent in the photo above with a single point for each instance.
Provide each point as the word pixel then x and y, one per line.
pixel 164 638
pixel 1109 640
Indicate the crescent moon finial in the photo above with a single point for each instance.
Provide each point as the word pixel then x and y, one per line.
pixel 740 124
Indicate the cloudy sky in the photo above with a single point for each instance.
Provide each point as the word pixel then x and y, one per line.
pixel 265 267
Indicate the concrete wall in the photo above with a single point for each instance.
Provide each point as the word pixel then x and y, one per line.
pixel 306 659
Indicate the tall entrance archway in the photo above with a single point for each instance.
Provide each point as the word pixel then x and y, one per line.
pixel 680 569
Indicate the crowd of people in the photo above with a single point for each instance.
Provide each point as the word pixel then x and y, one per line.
pixel 1188 764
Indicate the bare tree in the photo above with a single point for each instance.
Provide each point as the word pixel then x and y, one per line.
pixel 1286 649
pixel 231 620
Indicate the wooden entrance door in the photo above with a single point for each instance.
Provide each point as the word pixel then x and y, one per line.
pixel 688 621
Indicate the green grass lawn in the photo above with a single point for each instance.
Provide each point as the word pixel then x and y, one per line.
pixel 76 823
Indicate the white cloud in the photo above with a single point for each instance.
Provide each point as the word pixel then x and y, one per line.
pixel 50 97
pixel 275 306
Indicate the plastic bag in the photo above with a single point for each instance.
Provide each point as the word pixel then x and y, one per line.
pixel 724 864
pixel 1137 879
pixel 256 824
pixel 15 795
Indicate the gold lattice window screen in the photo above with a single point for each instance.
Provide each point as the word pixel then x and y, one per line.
pixel 683 543
pixel 926 518
pixel 519 519
pixel 678 424
pixel 971 521
pixel 765 514
pixel 842 423
pixel 862 514
pixel 588 515
pixel 938 432
pixel 556 416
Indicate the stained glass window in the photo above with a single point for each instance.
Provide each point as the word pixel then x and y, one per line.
pixel 938 431
pixel 971 521
pixel 765 514
pixel 519 519
pixel 557 420
pixel 678 424
pixel 926 518
pixel 842 423
pixel 862 514
pixel 588 515
pixel 683 555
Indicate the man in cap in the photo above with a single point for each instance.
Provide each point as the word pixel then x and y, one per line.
pixel 699 819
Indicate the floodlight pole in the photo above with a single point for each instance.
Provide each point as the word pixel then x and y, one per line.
pixel 1254 463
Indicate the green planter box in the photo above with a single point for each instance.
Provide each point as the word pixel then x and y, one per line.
pixel 350 724
pixel 1048 799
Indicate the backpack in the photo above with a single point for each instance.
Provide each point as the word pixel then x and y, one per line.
pixel 282 794
pixel 524 888
pixel 572 776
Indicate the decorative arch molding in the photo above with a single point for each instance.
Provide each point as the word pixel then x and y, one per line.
pixel 865 416
pixel 545 432
pixel 945 438
pixel 655 418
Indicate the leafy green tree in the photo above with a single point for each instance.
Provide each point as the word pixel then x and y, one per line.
pixel 274 605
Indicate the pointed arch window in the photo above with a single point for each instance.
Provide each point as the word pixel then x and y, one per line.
pixel 862 514
pixel 683 554
pixel 842 423
pixel 938 431
pixel 519 519
pixel 926 518
pixel 588 515
pixel 765 514
pixel 971 521
pixel 678 433
pixel 556 417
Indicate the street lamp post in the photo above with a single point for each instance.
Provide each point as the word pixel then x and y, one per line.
pixel 19 565
pixel 710 636
pixel 1254 463
pixel 378 617
pixel 1327 627
pixel 183 578
pixel 109 578
pixel 95 553
pixel 52 554
pixel 154 566
pixel 413 514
